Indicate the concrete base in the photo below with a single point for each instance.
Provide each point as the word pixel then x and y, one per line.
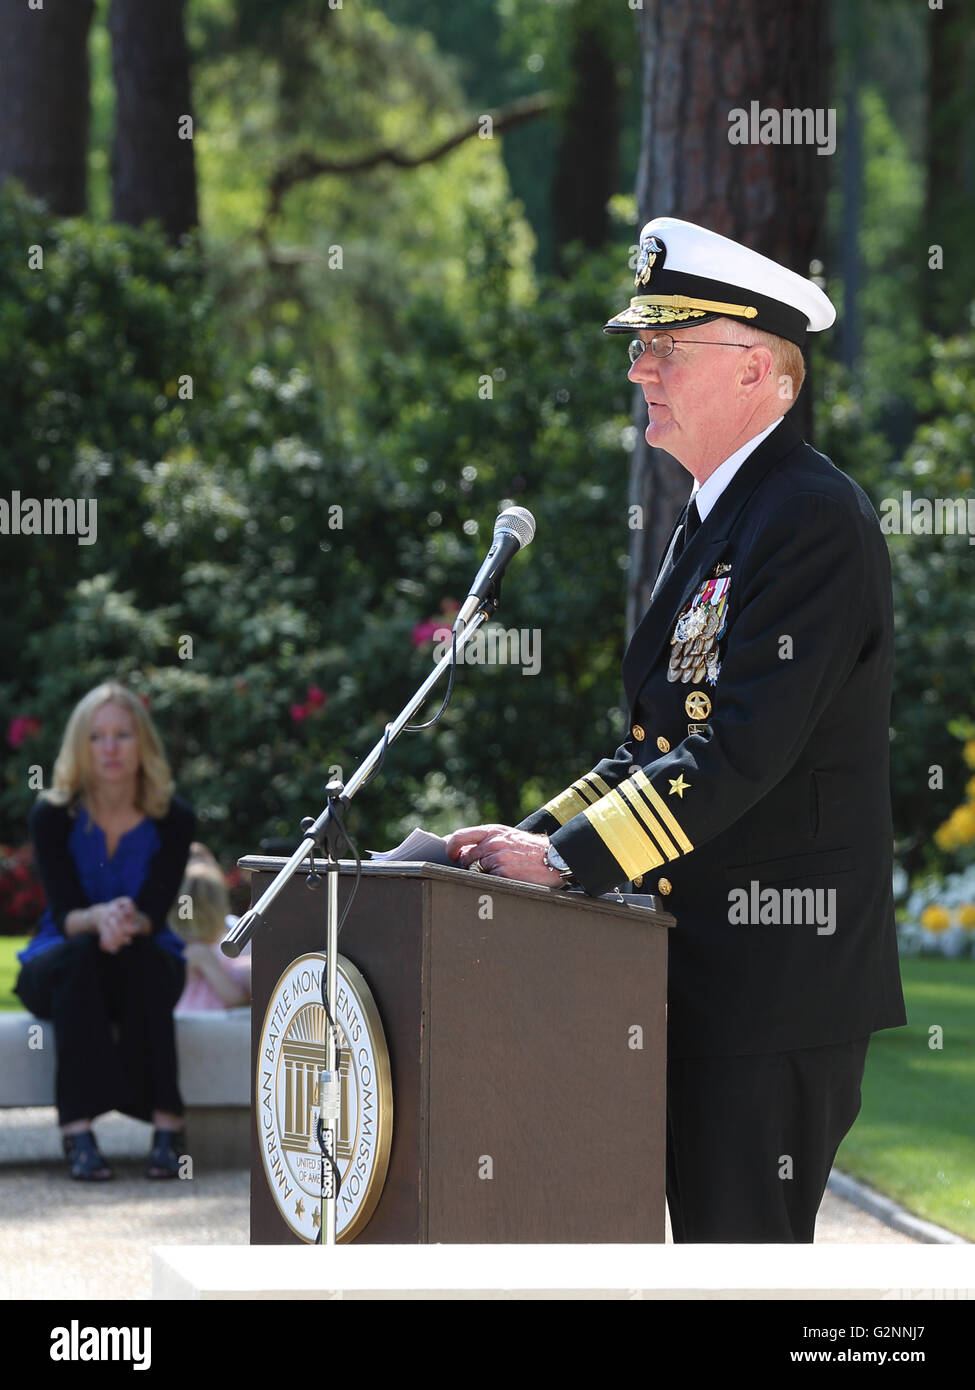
pixel 214 1073
pixel 563 1272
pixel 891 1213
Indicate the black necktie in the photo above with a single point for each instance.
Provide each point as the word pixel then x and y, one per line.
pixel 691 521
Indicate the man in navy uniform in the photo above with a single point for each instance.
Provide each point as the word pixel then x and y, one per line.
pixel 751 791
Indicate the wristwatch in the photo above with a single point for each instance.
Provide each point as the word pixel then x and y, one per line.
pixel 553 860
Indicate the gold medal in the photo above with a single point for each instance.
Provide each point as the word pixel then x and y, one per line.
pixel 697 706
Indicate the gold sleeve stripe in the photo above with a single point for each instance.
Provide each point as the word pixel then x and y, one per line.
pixel 576 798
pixel 623 835
pixel 588 793
pixel 566 805
pixel 641 780
pixel 594 780
pixel 641 809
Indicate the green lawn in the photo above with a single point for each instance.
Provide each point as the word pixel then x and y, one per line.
pixel 915 1137
pixel 9 969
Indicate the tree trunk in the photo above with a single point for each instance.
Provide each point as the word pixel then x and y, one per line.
pixel 153 170
pixel 947 213
pixel 587 165
pixel 700 63
pixel 44 106
pixel 853 35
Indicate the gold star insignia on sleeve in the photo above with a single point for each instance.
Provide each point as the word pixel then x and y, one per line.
pixel 678 785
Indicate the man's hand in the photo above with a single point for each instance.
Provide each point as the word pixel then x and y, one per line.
pixel 503 851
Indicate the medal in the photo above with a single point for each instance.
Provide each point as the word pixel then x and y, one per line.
pixel 698 630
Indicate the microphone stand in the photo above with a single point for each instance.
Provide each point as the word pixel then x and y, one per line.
pixel 326 833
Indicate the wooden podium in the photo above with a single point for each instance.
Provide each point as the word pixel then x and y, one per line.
pixel 526 1031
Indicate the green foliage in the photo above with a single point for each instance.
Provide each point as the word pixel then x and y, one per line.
pixel 935 645
pixel 903 419
pixel 499 58
pixel 270 538
pixel 931 575
pixel 346 249
pixel 93 342
pixel 419 386
pixel 889 253
pixel 265 546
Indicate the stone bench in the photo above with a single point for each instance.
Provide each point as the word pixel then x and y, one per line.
pixel 214 1077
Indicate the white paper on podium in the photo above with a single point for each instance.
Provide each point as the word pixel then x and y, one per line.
pixel 419 847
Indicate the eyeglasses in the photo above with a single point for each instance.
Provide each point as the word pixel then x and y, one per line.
pixel 662 345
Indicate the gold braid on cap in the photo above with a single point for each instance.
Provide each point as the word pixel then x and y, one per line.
pixel 680 301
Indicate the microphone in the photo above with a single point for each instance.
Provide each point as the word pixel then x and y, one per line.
pixel 514 528
pixel 241 932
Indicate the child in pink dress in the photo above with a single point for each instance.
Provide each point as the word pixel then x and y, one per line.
pixel 200 917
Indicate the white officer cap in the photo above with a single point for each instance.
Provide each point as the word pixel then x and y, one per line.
pixel 687 274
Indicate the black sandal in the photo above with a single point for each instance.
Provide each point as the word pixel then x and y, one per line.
pixel 167 1152
pixel 84 1161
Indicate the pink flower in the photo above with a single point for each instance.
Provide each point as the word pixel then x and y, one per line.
pixel 298 713
pixel 25 726
pixel 316 697
pixel 423 632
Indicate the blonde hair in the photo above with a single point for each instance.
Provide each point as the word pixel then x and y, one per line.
pixel 199 854
pixel 787 360
pixel 72 767
pixel 206 888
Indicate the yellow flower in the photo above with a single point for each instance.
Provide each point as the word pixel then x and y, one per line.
pixel 958 829
pixel 966 915
pixel 968 752
pixel 935 918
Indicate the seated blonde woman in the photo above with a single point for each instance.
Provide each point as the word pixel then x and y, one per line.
pixel 201 917
pixel 110 842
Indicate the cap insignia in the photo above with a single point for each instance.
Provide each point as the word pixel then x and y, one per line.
pixel 652 249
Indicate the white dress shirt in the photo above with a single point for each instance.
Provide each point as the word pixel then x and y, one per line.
pixel 706 494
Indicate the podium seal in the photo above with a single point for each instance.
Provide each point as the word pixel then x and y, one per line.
pixel 291 1054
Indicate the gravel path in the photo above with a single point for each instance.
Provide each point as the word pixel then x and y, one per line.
pixel 64 1239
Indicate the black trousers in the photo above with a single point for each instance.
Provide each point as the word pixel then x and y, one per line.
pixel 751 1140
pixel 113 1025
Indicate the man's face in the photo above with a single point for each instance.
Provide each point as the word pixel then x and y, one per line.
pixel 692 394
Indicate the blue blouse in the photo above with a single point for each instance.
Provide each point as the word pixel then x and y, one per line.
pixel 104 878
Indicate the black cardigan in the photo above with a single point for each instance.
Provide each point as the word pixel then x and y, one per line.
pixel 51 825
